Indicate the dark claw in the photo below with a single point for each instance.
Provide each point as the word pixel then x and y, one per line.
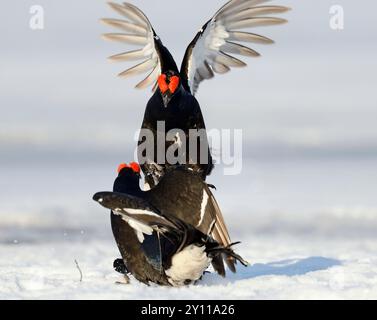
pixel 211 186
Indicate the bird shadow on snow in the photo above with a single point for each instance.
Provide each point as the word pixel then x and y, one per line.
pixel 291 267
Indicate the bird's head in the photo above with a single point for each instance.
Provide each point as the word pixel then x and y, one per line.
pixel 168 84
pixel 128 178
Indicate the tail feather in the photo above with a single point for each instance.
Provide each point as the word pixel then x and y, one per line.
pixel 218 265
pixel 220 232
pixel 230 262
pixel 228 252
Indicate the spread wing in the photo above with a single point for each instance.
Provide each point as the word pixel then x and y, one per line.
pixel 138 213
pixel 135 29
pixel 213 48
pixel 159 235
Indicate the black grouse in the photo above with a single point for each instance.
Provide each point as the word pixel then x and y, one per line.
pixel 165 235
pixel 173 101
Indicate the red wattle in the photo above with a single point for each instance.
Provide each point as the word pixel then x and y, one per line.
pixel 174 83
pixel 162 83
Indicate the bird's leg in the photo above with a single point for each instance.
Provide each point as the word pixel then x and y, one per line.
pixel 125 280
pixel 120 267
pixel 201 278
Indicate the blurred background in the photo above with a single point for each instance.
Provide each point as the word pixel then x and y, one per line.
pixel 307 107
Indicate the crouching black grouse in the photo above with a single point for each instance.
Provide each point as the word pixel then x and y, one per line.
pixel 210 52
pixel 165 235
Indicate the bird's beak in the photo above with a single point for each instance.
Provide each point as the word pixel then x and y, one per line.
pixel 166 99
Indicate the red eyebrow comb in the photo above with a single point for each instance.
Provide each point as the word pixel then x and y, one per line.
pixel 122 166
pixel 133 165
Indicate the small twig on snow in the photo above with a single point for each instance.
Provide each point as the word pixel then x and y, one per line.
pixel 78 267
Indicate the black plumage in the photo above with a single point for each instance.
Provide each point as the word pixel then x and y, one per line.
pixel 176 109
pixel 173 211
pixel 180 206
pixel 211 52
pixel 183 113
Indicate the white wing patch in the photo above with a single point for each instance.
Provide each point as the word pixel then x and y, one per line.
pixel 139 227
pixel 203 207
pixel 137 30
pixel 210 228
pixel 140 211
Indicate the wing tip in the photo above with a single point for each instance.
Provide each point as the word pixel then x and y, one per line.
pixel 113 5
pixel 107 37
pixel 112 59
pixel 97 196
pixel 253 54
pixel 123 75
pixel 101 198
pixel 282 9
pixel 273 21
pixel 140 86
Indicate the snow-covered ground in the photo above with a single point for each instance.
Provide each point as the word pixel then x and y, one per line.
pixel 308 228
pixel 281 268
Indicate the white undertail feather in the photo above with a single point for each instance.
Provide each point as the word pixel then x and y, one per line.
pixel 188 264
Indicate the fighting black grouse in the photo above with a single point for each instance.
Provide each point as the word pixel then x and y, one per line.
pixel 164 235
pixel 173 101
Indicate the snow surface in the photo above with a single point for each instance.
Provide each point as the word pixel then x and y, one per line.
pixel 308 228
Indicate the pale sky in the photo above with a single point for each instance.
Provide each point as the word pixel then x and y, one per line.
pixel 313 91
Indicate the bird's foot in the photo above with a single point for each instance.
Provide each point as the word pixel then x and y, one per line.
pixel 125 280
pixel 201 278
